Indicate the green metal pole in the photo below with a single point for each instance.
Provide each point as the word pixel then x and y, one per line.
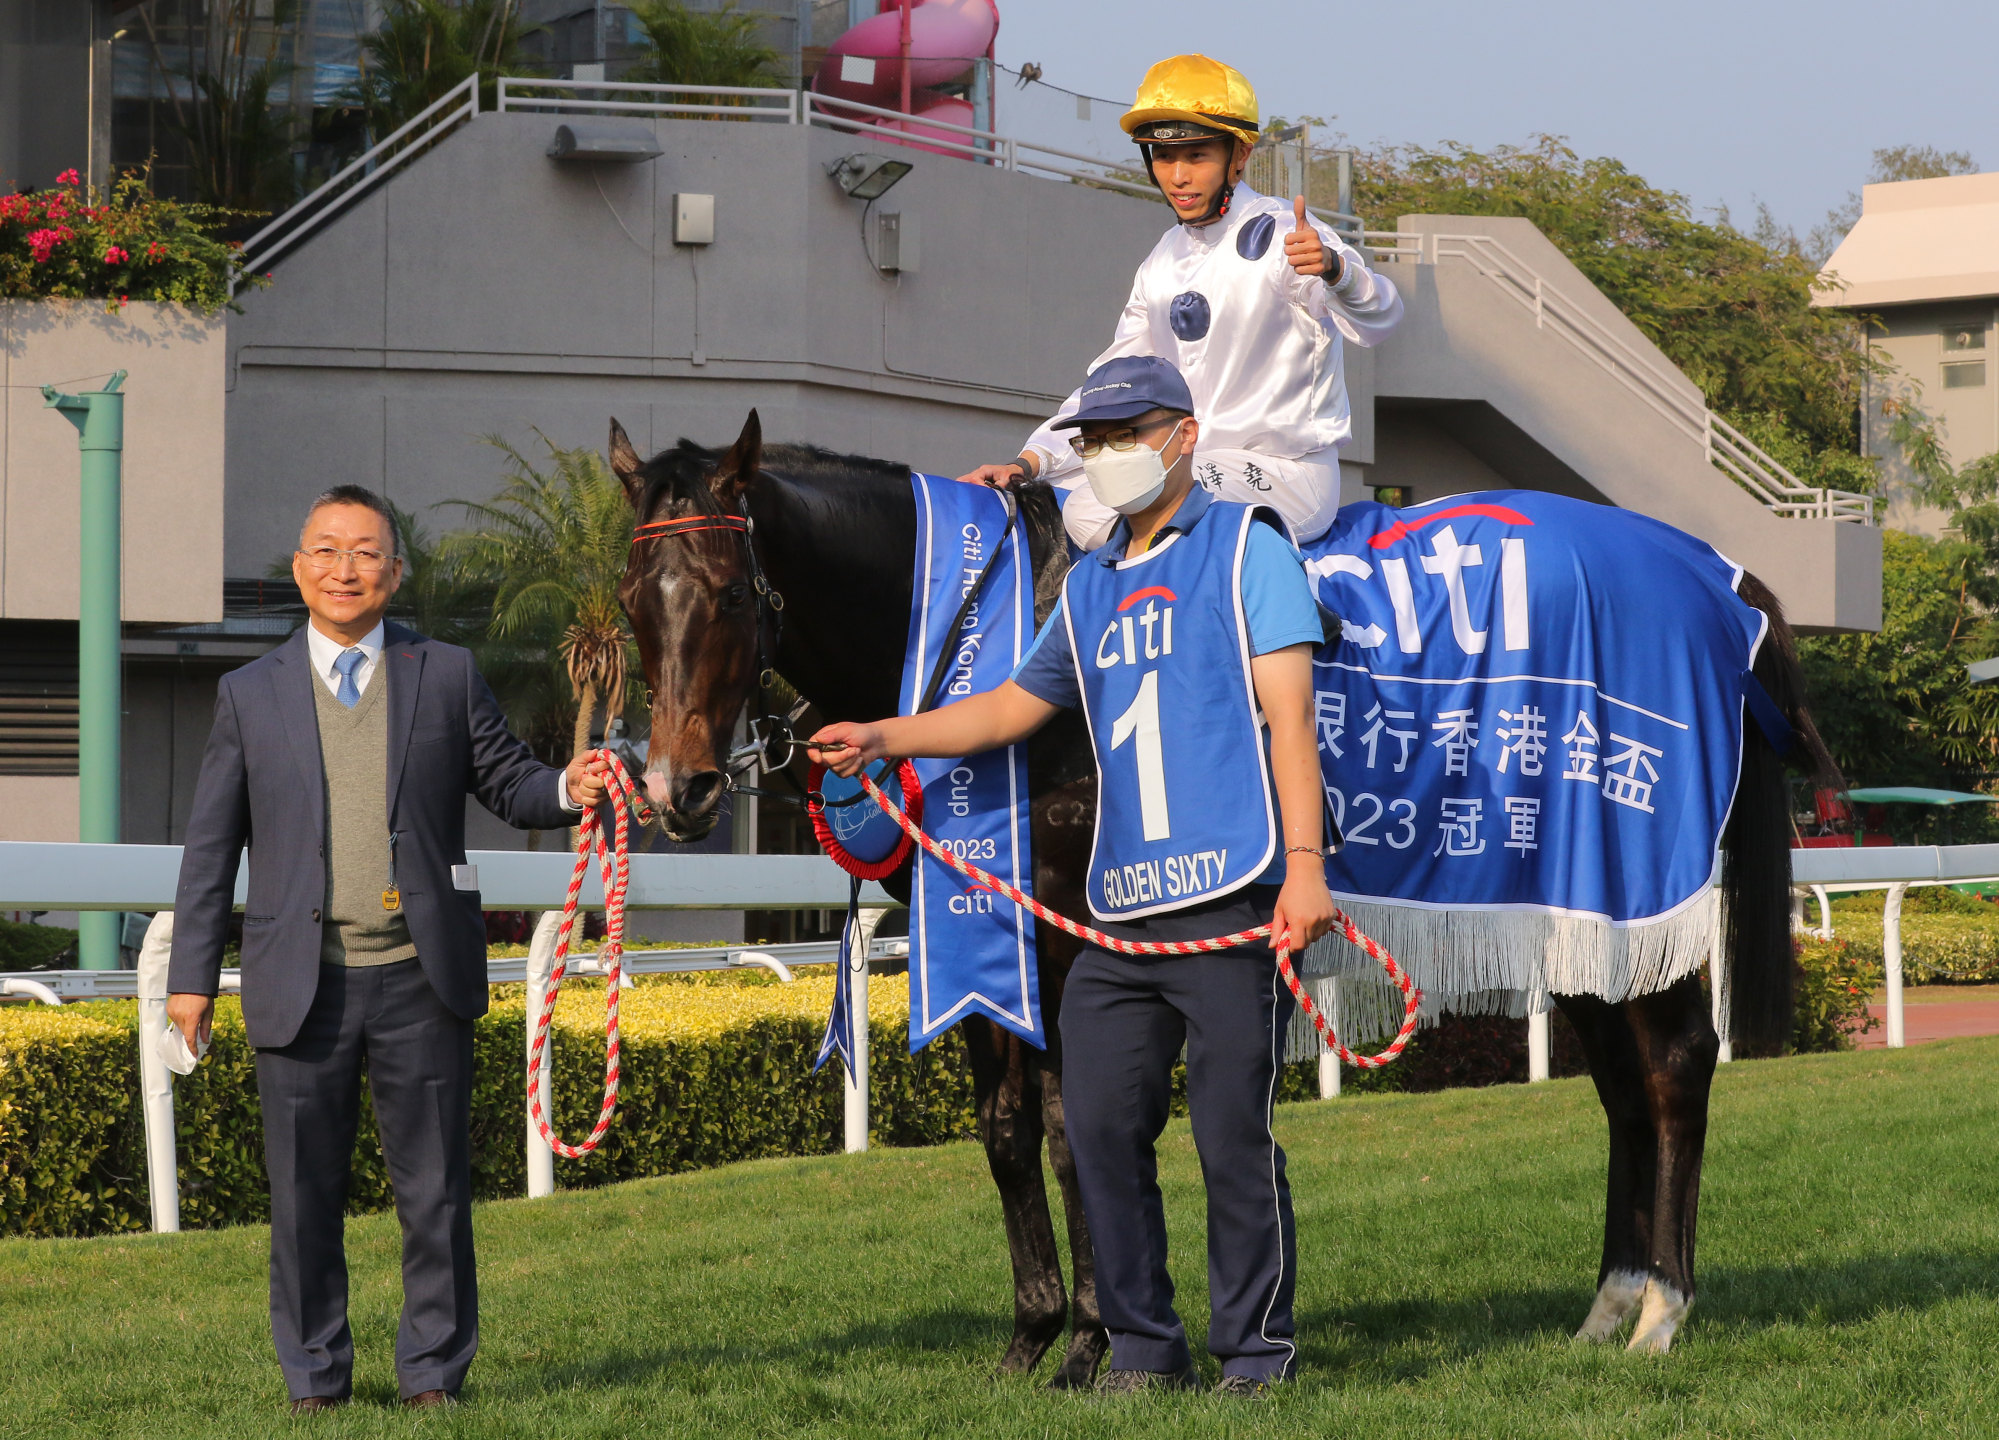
pixel 100 420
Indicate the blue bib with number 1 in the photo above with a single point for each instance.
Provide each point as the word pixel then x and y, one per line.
pixel 1185 811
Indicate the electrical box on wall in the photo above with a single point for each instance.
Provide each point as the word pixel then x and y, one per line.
pixel 898 244
pixel 694 219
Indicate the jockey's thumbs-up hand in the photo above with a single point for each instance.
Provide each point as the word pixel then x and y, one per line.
pixel 1307 253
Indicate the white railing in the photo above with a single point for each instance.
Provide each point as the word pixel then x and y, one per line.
pixel 143 877
pixel 1895 869
pixel 607 97
pixel 363 173
pixel 1667 392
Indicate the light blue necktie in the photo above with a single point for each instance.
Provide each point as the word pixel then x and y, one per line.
pixel 347 662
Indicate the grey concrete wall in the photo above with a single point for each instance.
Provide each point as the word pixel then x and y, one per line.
pixel 173 490
pixel 490 290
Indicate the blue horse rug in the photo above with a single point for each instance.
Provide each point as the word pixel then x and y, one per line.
pixel 970 951
pixel 1530 730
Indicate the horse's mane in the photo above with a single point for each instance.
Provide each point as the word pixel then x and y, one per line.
pixel 681 472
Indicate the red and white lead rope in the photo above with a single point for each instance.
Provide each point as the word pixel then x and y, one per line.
pixel 1345 926
pixel 614 864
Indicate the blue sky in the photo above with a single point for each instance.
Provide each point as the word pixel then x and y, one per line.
pixel 1729 103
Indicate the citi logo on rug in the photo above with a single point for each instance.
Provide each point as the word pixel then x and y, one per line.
pixel 1146 635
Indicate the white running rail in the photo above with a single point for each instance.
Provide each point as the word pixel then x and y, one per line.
pixel 362 174
pixel 1665 390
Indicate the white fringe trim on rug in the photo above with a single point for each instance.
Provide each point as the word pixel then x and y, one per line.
pixel 1494 962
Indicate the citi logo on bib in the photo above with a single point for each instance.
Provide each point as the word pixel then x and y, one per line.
pixel 1136 635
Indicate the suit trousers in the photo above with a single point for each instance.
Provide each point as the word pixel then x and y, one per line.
pixel 1124 1021
pixel 418 1056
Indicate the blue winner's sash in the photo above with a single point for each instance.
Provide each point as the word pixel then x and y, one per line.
pixel 1530 731
pixel 970 952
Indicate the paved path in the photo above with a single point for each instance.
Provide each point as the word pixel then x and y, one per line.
pixel 1944 1021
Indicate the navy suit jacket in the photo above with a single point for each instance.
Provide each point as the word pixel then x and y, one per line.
pixel 263 785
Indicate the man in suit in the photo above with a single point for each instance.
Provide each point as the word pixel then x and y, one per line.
pixel 342 759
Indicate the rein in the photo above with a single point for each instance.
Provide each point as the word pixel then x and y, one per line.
pixel 1413 997
pixel 614 864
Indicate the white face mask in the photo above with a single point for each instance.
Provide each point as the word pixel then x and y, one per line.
pixel 1128 480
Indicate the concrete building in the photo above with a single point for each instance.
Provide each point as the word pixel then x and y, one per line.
pixel 1923 261
pixel 480 287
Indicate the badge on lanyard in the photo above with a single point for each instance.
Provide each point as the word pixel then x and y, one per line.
pixel 392 898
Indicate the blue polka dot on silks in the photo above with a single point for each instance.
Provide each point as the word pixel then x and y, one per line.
pixel 1189 315
pixel 1254 238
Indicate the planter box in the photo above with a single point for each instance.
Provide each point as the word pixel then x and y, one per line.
pixel 176 361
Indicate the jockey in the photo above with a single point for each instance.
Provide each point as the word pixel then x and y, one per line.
pixel 1249 297
pixel 1187 641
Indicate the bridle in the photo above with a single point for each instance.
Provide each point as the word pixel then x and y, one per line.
pixel 772 740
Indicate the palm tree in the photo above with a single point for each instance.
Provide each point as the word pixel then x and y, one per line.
pixel 424 47
pixel 702 47
pixel 552 546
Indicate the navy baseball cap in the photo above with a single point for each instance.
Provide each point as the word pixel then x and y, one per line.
pixel 1129 386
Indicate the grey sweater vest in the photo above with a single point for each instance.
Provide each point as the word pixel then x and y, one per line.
pixel 354 753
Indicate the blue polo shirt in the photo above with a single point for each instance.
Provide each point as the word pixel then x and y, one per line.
pixel 1277 602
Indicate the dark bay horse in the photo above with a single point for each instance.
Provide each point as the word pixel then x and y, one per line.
pixel 835 536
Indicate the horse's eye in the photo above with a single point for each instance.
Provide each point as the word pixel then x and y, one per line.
pixel 734 597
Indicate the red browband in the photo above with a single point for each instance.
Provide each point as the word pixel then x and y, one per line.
pixel 688 525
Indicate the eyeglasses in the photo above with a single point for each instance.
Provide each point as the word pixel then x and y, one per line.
pixel 366 562
pixel 1125 439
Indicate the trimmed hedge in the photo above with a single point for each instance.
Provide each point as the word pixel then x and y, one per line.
pixel 1936 946
pixel 715 1070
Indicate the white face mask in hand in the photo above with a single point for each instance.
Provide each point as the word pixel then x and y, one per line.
pixel 1128 480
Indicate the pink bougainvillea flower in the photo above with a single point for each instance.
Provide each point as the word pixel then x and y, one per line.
pixel 116 256
pixel 42 243
pixel 156 251
pixel 68 177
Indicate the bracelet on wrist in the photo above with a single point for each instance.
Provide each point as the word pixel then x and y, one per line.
pixel 1307 850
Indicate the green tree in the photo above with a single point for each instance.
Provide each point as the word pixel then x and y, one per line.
pixel 702 47
pixel 239 145
pixel 1731 311
pixel 1896 707
pixel 424 47
pixel 552 547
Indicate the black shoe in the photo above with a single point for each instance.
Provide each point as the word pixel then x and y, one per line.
pixel 1246 1387
pixel 1130 1382
pixel 313 1404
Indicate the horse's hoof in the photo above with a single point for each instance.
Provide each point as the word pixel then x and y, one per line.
pixel 1079 1367
pixel 1616 1298
pixel 1665 1307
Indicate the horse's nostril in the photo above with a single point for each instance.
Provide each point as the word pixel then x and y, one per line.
pixel 698 793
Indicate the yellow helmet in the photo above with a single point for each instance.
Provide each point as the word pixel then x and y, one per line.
pixel 1191 97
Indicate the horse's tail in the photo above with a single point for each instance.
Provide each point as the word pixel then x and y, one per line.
pixel 1756 849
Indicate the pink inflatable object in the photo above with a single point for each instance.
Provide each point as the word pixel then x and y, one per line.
pixel 945 38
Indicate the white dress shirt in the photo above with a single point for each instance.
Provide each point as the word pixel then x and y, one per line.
pixel 1266 373
pixel 324 650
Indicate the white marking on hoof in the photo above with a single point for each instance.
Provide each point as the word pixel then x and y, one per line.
pixel 1664 1309
pixel 1616 1298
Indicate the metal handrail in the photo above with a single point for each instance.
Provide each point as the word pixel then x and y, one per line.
pixel 1725 447
pixel 460 102
pixel 512 101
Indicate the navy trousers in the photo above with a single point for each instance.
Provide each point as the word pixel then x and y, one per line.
pixel 419 1065
pixel 1124 1021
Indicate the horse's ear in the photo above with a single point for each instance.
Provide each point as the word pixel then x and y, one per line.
pixel 625 464
pixel 738 470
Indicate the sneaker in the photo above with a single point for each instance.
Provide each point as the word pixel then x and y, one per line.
pixel 1244 1387
pixel 1130 1382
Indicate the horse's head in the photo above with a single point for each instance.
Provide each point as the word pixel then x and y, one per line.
pixel 690 594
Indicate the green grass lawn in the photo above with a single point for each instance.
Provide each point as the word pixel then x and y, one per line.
pixel 1849 1285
